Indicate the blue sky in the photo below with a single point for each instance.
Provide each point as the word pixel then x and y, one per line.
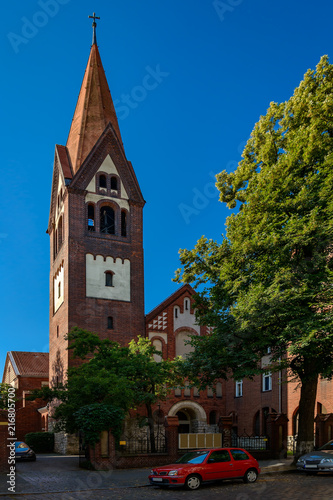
pixel 217 66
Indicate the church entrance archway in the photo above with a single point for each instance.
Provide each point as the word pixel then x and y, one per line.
pixel 191 416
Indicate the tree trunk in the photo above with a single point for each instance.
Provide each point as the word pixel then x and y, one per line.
pixel 305 438
pixel 151 428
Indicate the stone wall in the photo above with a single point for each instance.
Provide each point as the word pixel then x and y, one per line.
pixel 66 444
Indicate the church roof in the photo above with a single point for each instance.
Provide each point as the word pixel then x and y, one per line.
pixel 94 110
pixel 29 364
pixel 185 289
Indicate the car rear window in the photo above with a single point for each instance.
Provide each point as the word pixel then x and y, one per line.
pixel 22 445
pixel 239 455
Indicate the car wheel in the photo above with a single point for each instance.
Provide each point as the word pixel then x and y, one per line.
pixel 250 476
pixel 193 482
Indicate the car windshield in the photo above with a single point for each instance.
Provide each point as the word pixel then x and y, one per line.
pixel 327 446
pixel 194 457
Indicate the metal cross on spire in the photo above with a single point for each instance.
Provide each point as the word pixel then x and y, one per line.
pixel 94 17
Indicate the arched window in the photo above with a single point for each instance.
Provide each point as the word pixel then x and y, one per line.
pixel 60 233
pixel 110 323
pixel 108 278
pixel 91 218
pixel 256 424
pixel 158 344
pixel 102 181
pixel 114 183
pixel 212 418
pixel 55 243
pixel 107 223
pixel 219 390
pixel 123 223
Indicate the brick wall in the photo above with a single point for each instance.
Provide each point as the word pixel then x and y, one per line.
pixel 4 466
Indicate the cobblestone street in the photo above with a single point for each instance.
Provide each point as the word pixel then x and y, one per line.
pixel 59 478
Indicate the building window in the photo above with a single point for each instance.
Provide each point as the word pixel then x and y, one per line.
pixel 267 381
pixel 57 331
pixel 108 278
pixel 219 390
pixel 102 181
pixel 60 233
pixel 210 393
pixel 239 388
pixel 110 323
pixel 55 243
pixel 59 289
pixel 186 304
pixel 212 418
pixel 91 218
pixel 123 223
pixel 114 183
pixel 176 312
pixel 107 220
pixel 187 390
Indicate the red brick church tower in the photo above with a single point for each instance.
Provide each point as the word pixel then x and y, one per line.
pixel 95 227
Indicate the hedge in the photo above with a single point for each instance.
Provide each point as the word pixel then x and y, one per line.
pixel 40 442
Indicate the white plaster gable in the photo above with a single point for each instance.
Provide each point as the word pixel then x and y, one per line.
pixel 185 319
pixel 109 168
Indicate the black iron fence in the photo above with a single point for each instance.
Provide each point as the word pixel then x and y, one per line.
pixel 142 444
pixel 250 442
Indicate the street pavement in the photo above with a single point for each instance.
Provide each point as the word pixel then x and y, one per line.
pixel 58 477
pixel 61 474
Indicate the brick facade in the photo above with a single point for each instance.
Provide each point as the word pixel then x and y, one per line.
pixel 27 371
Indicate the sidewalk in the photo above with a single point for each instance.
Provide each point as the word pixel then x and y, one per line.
pixel 57 473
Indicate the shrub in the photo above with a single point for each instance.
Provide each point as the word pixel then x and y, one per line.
pixel 40 442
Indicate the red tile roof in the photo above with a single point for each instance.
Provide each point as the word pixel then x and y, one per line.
pixel 30 364
pixel 63 158
pixel 94 110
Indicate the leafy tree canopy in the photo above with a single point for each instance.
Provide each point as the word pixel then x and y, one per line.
pixel 4 396
pixel 268 284
pixel 112 380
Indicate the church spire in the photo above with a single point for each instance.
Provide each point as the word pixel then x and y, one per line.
pixel 94 17
pixel 94 109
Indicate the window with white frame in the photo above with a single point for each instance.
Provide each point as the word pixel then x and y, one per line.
pixel 267 381
pixel 239 388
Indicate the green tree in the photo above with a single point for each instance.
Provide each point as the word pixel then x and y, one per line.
pixel 153 379
pixel 4 396
pixel 269 283
pixel 112 380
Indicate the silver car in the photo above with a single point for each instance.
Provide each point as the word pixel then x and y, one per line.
pixel 320 460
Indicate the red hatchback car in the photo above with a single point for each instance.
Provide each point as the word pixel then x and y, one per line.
pixel 198 466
